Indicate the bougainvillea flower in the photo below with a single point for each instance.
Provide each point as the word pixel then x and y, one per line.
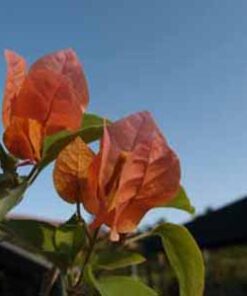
pixel 49 97
pixel 134 171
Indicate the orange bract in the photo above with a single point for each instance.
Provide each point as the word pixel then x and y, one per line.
pixel 71 169
pixel 134 171
pixel 50 97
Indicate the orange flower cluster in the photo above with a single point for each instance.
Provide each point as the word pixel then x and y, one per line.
pixel 48 98
pixel 134 171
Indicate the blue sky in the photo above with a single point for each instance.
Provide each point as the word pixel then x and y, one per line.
pixel 185 61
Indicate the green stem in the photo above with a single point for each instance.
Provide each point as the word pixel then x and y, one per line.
pixel 33 175
pixel 87 258
pixel 78 213
pixel 137 238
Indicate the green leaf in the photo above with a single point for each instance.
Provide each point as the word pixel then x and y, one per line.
pixel 10 197
pixel 70 238
pixel 181 202
pixel 33 234
pixel 92 130
pixel 124 286
pixel 117 285
pixel 110 260
pixel 184 257
pixel 59 245
pixel 90 119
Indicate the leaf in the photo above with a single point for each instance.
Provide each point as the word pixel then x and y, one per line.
pixel 92 130
pixel 124 286
pixel 181 202
pixel 69 239
pixel 90 119
pixel 184 257
pixel 60 244
pixel 34 234
pixel 10 197
pixel 110 260
pixel 117 285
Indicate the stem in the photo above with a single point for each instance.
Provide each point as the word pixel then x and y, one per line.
pixel 137 238
pixel 49 282
pixel 87 258
pixel 78 213
pixel 33 175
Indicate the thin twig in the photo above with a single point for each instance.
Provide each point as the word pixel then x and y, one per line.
pixel 79 216
pixel 33 175
pixel 49 282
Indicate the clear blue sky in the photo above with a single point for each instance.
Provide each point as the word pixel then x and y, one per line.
pixel 185 61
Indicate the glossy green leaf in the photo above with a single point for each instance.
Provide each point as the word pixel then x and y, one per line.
pixel 185 258
pixel 110 260
pixel 181 202
pixel 92 130
pixel 10 197
pixel 33 234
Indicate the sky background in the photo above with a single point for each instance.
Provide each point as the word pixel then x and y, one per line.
pixel 185 61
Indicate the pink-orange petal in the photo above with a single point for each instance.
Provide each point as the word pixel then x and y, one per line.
pixel 152 168
pixel 16 72
pixel 49 99
pixel 119 137
pixel 23 138
pixel 148 176
pixel 65 62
